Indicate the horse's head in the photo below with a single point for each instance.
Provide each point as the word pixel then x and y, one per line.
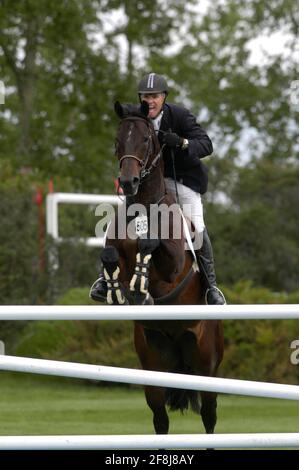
pixel 137 146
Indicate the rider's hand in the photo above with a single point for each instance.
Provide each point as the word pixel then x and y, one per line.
pixel 172 139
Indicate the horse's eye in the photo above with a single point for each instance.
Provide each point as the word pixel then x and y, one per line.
pixel 146 139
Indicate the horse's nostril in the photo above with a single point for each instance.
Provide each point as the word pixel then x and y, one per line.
pixel 129 181
pixel 129 184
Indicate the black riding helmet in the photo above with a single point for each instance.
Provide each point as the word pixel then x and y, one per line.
pixel 152 83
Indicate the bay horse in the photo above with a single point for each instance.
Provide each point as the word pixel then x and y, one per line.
pixel 148 270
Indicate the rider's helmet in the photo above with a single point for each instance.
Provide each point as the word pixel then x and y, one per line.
pixel 152 83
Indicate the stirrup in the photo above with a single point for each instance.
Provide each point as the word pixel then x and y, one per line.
pixel 219 294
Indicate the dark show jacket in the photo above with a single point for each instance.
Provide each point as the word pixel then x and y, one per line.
pixel 189 169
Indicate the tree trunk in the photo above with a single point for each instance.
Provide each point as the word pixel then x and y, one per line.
pixel 26 88
pixel 130 60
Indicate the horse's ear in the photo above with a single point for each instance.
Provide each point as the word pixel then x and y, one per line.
pixel 118 108
pixel 144 108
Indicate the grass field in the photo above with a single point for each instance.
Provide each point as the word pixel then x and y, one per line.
pixel 36 405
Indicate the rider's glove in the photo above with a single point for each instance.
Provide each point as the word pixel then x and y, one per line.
pixel 172 139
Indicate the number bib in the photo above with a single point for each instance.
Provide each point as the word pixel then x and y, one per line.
pixel 141 225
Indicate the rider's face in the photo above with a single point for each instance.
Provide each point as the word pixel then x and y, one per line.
pixel 155 102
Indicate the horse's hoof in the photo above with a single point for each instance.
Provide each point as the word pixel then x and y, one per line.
pixel 138 299
pixel 148 300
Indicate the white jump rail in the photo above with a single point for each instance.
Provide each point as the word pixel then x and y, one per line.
pixel 149 312
pixel 145 377
pixel 175 441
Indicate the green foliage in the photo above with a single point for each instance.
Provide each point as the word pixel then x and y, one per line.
pixel 257 238
pixel 18 238
pixel 259 349
pixel 91 342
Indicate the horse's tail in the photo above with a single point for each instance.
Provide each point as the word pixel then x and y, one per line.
pixel 181 400
pixel 178 399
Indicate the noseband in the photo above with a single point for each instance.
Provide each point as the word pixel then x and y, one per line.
pixel 145 171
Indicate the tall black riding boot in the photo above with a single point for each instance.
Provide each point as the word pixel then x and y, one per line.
pixel 205 258
pixel 98 290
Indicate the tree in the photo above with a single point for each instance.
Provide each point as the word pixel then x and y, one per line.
pixel 147 29
pixel 62 109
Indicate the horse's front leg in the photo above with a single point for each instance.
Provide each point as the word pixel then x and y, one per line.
pixel 139 281
pixel 110 260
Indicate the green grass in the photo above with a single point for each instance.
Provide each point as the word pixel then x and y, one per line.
pixel 36 405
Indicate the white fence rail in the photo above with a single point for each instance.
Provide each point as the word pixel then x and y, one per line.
pixel 168 441
pixel 149 312
pixel 144 377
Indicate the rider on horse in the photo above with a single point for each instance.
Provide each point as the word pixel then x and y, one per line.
pixel 184 143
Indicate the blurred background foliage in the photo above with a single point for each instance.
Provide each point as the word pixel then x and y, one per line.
pixel 63 65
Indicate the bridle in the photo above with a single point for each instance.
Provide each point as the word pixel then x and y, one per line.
pixel 145 170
